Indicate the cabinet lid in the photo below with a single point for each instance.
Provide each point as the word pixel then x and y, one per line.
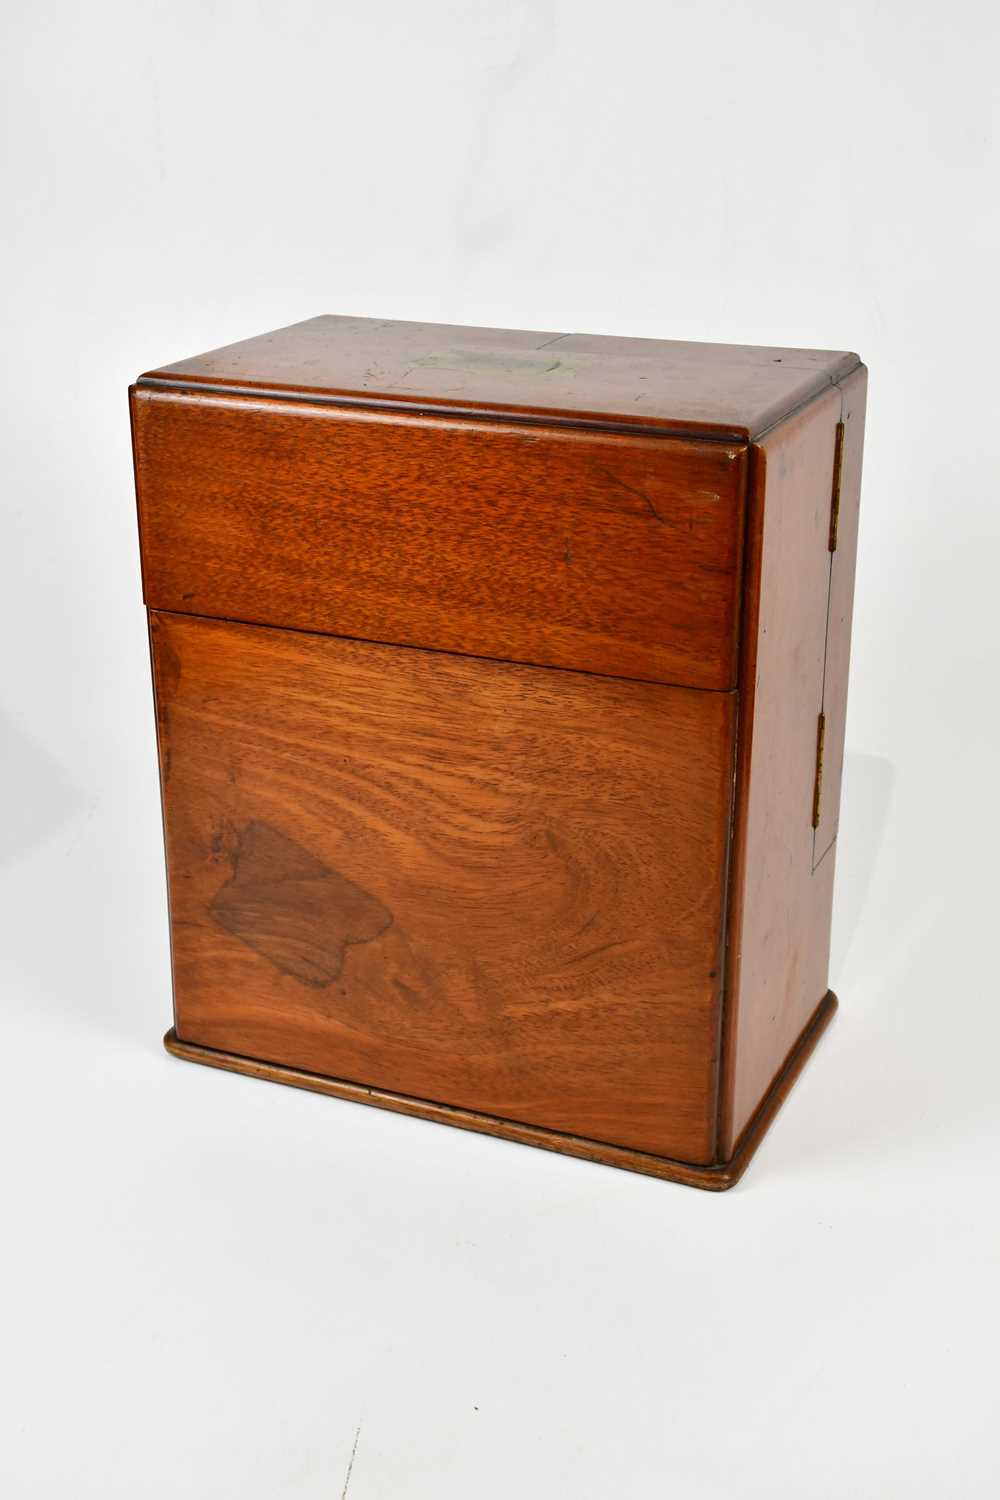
pixel 729 392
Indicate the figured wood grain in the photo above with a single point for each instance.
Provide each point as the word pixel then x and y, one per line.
pixel 778 938
pixel 488 886
pixel 728 391
pixel 493 880
pixel 610 554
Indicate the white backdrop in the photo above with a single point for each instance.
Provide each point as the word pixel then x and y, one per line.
pixel 215 1288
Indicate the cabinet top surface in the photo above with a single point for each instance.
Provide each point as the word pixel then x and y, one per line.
pixel 721 391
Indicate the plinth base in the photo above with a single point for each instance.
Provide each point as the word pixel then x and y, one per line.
pixel 715 1178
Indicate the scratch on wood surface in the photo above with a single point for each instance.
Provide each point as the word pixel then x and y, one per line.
pixel 350 1464
pixel 639 494
pixel 592 952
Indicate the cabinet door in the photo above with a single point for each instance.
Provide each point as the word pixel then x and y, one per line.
pixel 493 886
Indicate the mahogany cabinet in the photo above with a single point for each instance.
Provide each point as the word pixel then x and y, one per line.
pixel 500 684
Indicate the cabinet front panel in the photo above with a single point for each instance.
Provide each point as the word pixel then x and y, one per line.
pixel 489 885
pixel 611 554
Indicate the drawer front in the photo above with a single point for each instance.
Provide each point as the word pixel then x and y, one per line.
pixel 608 553
pixel 485 884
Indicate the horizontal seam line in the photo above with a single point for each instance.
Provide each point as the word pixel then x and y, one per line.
pixel 364 640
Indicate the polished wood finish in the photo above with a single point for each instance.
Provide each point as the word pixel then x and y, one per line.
pixel 728 391
pixel 480 883
pixel 490 669
pixel 617 555
pixel 795 644
pixel 717 1178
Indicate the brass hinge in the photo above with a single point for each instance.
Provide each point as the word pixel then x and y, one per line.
pixel 818 783
pixel 838 469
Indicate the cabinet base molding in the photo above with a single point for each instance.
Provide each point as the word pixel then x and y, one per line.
pixel 715 1178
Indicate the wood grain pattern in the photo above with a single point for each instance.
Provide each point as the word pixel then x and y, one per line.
pixel 492 886
pixel 726 391
pixel 291 908
pixel 718 1177
pixel 488 667
pixel 618 555
pixel 779 913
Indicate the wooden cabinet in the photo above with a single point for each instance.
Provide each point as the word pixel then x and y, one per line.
pixel 492 672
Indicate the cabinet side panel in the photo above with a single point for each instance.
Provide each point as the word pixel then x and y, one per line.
pixel 491 886
pixel 778 939
pixel 838 636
